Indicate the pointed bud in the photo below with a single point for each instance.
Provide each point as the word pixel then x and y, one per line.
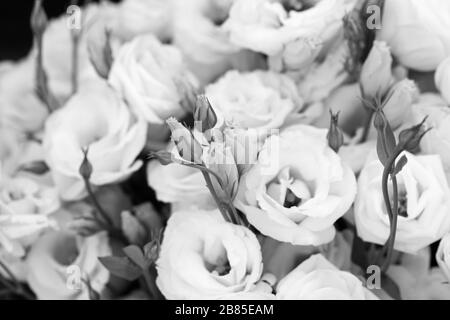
pixel 153 248
pixel 38 19
pixel 133 229
pixel 335 136
pixel 99 48
pixel 86 166
pixel 187 146
pixel 204 114
pixel 376 73
pixel 400 101
pixel 409 139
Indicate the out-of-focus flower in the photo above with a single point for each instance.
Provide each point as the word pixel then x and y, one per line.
pixel 96 118
pixel 61 261
pixel 203 257
pixel 427 23
pixel 424 204
pixel 25 208
pixel 20 108
pixel 258 100
pixel 416 280
pixel 294 36
pixel 442 79
pixel 58 50
pixel 136 17
pixel 318 279
pixel 376 73
pixel 437 140
pixel 443 255
pixel 298 188
pixel 149 76
pixel 398 106
pixel 205 45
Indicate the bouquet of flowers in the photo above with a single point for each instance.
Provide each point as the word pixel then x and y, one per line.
pixel 228 149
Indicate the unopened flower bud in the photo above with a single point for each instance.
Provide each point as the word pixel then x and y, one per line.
pixel 85 169
pixel 204 113
pixel 335 136
pixel 442 79
pixel 409 139
pixel 187 146
pixel 399 103
pixel 376 73
pixel 99 48
pixel 38 19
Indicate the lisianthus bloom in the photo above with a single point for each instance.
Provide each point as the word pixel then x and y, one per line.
pixel 135 17
pixel 298 188
pixel 152 78
pixel 425 22
pixel 204 257
pixel 258 100
pixel 61 261
pixel 293 35
pixel 25 209
pixel 424 204
pixel 198 32
pixel 318 279
pixel 94 118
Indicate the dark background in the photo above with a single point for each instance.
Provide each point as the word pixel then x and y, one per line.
pixel 15 34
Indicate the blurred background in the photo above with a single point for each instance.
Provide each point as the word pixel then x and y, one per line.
pixel 15 34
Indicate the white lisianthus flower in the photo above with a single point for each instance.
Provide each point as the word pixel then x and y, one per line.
pixel 58 255
pixel 258 100
pixel 424 204
pixel 135 17
pixel 442 79
pixel 203 257
pixel 425 22
pixel 25 209
pixel 96 118
pixel 318 279
pixel 152 78
pixel 292 36
pixel 437 140
pixel 443 255
pixel 298 188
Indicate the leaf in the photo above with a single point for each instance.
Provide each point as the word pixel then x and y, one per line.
pixel 164 157
pixel 391 288
pixel 36 167
pixel 400 164
pixel 121 267
pixel 136 255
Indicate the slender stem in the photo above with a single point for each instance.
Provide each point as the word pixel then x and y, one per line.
pixel 97 205
pixel 150 281
pixel 393 230
pixel 367 125
pixel 17 288
pixel 216 198
pixel 389 171
pixel 75 42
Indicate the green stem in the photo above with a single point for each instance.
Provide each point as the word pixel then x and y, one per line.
pixel 75 42
pixel 17 288
pixel 97 205
pixel 367 126
pixel 216 198
pixel 151 285
pixel 392 212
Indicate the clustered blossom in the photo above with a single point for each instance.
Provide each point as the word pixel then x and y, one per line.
pixel 228 150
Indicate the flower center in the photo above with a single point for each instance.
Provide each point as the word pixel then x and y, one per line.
pixel 291 200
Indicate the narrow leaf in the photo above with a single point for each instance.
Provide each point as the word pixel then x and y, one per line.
pixel 121 267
